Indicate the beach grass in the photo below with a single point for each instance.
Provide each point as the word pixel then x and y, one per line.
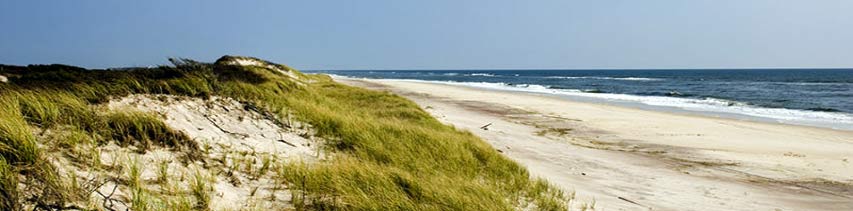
pixel 143 130
pixel 385 151
pixel 200 189
pixel 8 186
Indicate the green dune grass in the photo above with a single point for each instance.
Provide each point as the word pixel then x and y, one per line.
pixel 386 152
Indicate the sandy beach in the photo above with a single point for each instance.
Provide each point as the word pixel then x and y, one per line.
pixel 631 159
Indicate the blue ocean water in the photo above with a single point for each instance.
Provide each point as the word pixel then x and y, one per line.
pixel 819 97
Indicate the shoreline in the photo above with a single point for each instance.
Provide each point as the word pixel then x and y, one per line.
pixel 628 158
pixel 820 119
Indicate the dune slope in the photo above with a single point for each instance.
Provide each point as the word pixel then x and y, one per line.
pixel 239 134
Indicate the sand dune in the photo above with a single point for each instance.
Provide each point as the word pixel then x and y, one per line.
pixel 631 159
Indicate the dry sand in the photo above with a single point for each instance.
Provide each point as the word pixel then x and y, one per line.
pixel 632 159
pixel 235 140
pixel 225 123
pixel 233 131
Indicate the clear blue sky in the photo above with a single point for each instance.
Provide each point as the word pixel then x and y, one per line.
pixel 435 34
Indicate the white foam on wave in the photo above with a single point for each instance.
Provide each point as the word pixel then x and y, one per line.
pixel 715 105
pixel 607 78
pixel 809 83
pixel 469 74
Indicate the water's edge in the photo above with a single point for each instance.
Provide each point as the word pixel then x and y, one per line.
pixel 708 107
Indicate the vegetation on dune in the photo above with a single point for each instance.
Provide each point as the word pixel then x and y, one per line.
pixel 144 130
pixel 387 152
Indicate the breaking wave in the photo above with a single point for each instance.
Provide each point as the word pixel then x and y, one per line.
pixel 706 104
pixel 607 78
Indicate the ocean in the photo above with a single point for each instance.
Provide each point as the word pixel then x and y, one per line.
pixel 814 97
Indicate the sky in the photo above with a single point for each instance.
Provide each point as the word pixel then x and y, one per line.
pixel 435 34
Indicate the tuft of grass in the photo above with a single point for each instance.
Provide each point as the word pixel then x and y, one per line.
pixel 200 190
pixel 17 143
pixel 543 195
pixel 179 203
pixel 141 199
pixel 39 109
pixel 144 130
pixel 266 163
pixel 47 108
pixel 9 196
pixel 134 172
pixel 163 172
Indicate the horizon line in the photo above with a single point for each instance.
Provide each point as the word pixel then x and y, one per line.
pixel 550 69
pixel 480 69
